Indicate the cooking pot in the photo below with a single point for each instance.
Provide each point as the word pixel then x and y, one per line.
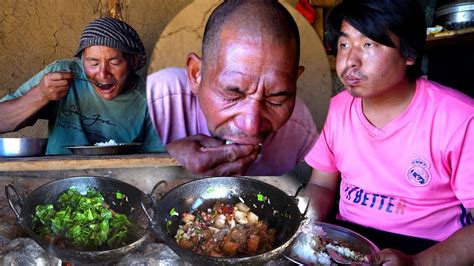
pixel 456 15
pixel 277 209
pixel 24 210
pixel 22 147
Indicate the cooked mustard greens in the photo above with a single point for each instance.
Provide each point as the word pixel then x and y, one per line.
pixel 83 221
pixel 118 195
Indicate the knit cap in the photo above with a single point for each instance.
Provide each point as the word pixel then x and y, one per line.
pixel 114 33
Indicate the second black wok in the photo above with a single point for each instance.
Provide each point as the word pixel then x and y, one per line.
pixel 272 205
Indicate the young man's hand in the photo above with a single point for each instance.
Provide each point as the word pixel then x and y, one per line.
pixel 389 257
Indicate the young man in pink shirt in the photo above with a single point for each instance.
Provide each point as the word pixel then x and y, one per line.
pixel 235 111
pixel 397 150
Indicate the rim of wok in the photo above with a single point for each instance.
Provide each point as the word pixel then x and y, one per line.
pixel 106 187
pixel 230 188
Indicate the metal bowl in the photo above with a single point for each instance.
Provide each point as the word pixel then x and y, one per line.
pixel 457 15
pixel 22 147
pixel 301 252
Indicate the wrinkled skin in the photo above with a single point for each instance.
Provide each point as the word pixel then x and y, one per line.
pixel 246 93
pixel 106 66
pixel 55 85
pixel 210 157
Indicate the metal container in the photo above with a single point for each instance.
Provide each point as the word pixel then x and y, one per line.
pixel 49 193
pixel 22 147
pixel 279 210
pixel 456 15
pixel 298 251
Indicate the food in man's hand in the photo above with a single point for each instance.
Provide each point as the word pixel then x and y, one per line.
pixel 81 221
pixel 225 231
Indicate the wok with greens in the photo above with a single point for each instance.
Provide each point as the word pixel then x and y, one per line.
pixel 83 221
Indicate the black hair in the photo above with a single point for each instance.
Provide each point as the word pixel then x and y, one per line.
pixel 378 19
pixel 270 15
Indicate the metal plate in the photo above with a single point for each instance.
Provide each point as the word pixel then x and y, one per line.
pixel 355 241
pixel 455 16
pixel 121 148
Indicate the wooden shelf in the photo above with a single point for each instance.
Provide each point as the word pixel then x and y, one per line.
pixel 453 37
pixel 75 162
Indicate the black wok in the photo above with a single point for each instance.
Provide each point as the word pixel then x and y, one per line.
pixel 24 210
pixel 278 210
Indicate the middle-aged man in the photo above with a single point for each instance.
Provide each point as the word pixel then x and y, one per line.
pixel 96 98
pixel 242 93
pixel 397 148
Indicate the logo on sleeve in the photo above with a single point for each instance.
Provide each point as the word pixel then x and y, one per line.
pixel 418 174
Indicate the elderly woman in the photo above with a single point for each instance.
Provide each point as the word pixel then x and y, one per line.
pixel 95 98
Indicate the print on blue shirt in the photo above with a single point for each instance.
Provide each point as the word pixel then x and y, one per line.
pixel 87 121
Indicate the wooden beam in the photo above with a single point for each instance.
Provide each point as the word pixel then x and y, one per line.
pixel 73 162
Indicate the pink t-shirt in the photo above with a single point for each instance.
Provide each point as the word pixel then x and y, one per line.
pixel 175 113
pixel 414 176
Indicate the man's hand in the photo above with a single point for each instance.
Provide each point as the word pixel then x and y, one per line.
pixel 55 85
pixel 389 257
pixel 208 156
pixel 20 112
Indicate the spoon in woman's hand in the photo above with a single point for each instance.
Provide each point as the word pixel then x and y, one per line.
pixel 99 85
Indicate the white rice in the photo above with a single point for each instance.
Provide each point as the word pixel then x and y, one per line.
pixel 107 143
pixel 345 251
pixel 311 245
pixel 305 249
